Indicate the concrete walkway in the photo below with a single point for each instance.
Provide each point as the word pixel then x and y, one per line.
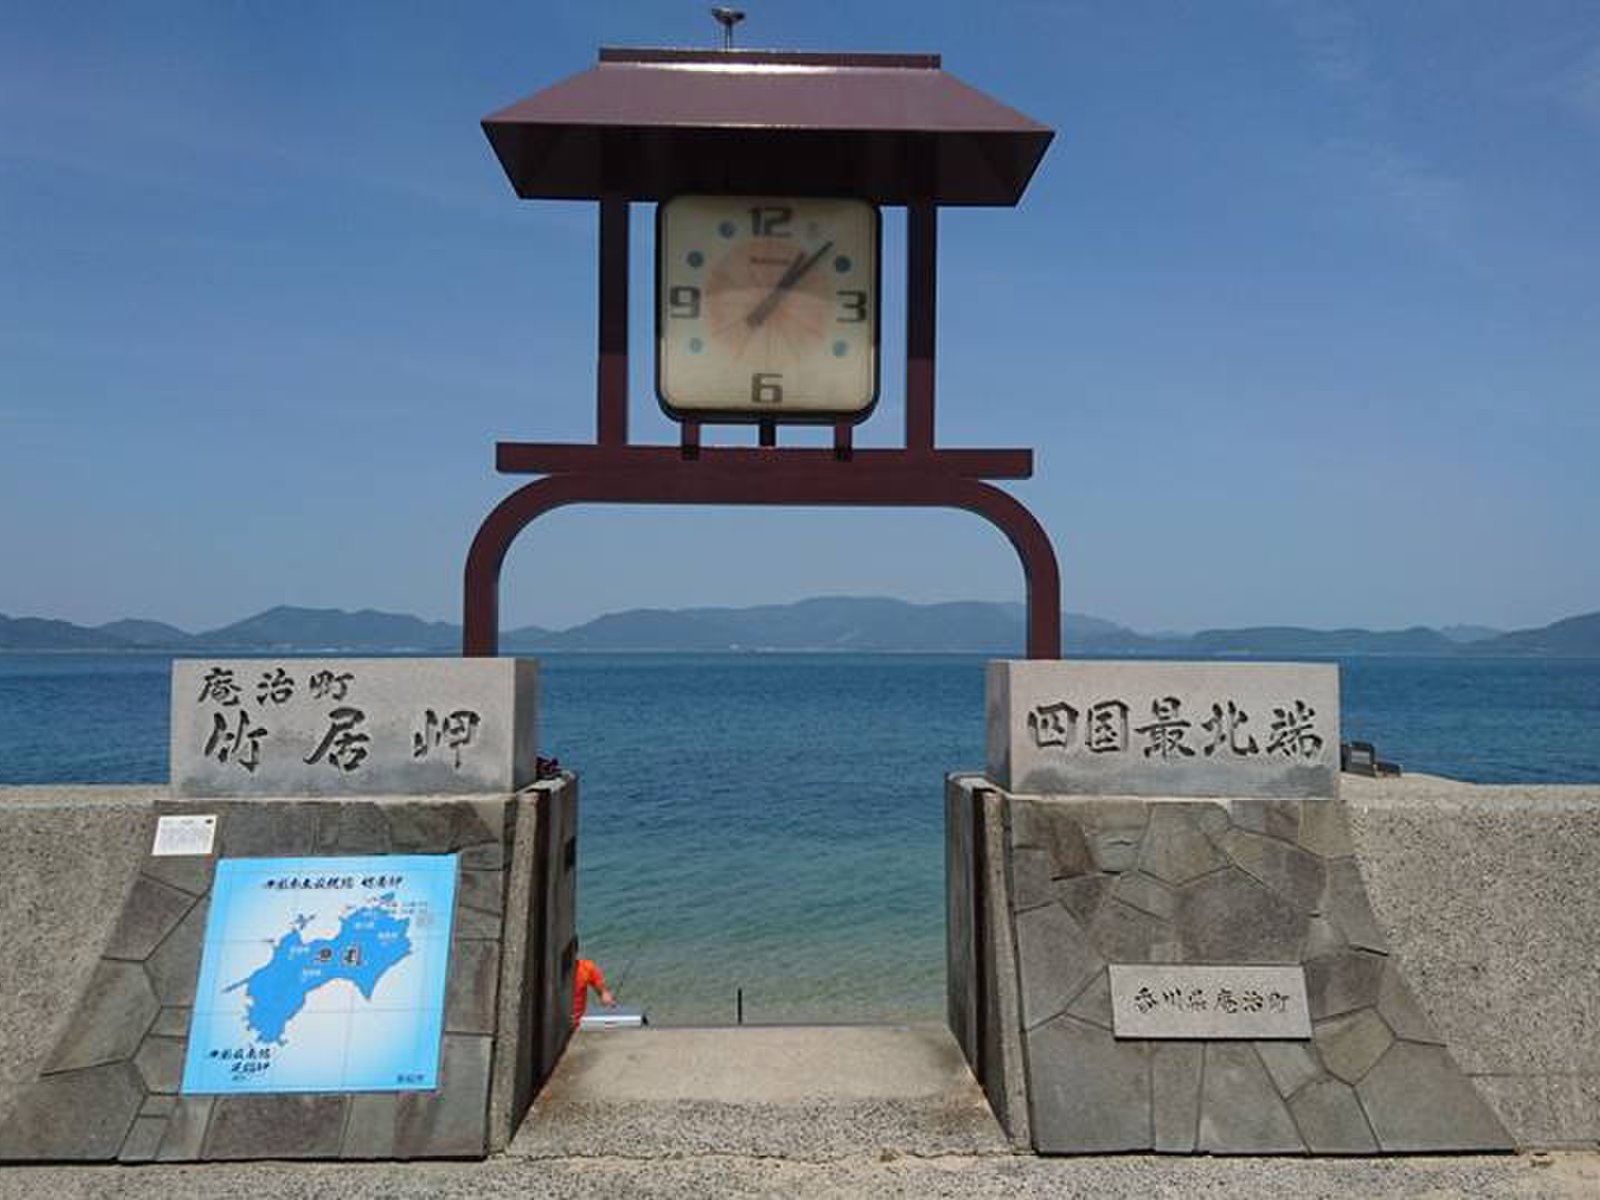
pixel 842 1111
pixel 814 1092
pixel 618 1176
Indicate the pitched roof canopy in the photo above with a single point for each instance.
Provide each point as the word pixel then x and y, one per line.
pixel 649 124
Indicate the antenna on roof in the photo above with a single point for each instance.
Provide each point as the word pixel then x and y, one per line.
pixel 727 18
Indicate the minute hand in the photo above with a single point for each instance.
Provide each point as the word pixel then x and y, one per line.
pixel 802 263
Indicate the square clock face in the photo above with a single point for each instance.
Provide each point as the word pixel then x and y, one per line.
pixel 766 308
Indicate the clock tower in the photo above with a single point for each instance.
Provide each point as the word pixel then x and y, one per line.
pixel 768 171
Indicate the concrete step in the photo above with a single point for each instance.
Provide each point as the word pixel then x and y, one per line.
pixel 809 1093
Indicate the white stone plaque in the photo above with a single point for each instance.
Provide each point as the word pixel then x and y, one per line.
pixel 184 836
pixel 352 726
pixel 1164 729
pixel 1163 1000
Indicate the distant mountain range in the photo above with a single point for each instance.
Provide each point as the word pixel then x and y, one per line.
pixel 824 623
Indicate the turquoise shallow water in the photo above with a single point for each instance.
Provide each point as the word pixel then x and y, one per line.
pixel 774 823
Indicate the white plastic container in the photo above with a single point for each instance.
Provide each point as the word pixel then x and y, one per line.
pixel 620 1017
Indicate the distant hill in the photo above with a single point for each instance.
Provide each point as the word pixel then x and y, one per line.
pixel 146 633
pixel 1467 634
pixel 523 638
pixel 637 629
pixel 334 629
pixel 821 623
pixel 862 623
pixel 38 633
pixel 1076 628
pixel 1575 637
pixel 1289 639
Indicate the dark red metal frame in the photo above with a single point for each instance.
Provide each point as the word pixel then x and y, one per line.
pixel 742 475
pixel 603 136
pixel 612 471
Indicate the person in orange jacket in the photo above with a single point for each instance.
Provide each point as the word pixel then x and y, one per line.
pixel 585 976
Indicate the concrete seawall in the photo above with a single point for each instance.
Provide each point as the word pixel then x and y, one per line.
pixel 67 857
pixel 1490 898
pixel 1487 894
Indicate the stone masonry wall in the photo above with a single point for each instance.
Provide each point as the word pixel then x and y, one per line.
pixel 980 971
pixel 109 1087
pixel 1241 881
pixel 1094 882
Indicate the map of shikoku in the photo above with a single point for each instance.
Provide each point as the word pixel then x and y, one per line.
pixel 322 974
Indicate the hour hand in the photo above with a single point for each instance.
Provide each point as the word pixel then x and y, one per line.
pixel 796 271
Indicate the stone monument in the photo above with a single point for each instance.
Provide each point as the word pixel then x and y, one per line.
pixel 1159 937
pixel 350 937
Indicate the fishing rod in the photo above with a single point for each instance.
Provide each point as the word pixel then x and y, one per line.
pixel 643 944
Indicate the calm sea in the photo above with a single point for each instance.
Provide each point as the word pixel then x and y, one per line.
pixel 774 823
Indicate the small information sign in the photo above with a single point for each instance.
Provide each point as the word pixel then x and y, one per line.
pixel 323 975
pixel 184 836
pixel 1161 1000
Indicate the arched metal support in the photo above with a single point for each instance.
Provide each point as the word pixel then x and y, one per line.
pixel 769 483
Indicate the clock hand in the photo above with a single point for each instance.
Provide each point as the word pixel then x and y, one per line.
pixel 797 269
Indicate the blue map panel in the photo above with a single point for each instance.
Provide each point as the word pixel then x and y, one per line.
pixel 323 975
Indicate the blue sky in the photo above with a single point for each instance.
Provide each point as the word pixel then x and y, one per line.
pixel 1301 314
